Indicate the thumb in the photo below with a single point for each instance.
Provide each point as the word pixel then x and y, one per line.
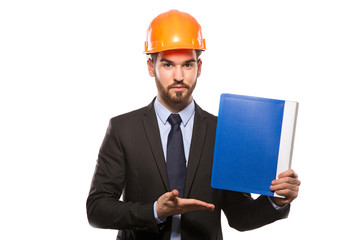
pixel 170 196
pixel 174 194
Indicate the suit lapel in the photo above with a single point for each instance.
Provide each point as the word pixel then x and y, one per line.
pixel 197 143
pixel 153 137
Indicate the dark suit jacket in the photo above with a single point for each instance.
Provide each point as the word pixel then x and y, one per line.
pixel 131 162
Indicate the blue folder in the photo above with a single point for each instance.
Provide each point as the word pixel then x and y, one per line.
pixel 254 142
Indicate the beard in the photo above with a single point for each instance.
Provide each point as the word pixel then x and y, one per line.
pixel 178 98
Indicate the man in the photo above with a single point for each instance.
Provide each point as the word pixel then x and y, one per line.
pixel 160 156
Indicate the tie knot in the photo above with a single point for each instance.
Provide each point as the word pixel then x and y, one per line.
pixel 174 119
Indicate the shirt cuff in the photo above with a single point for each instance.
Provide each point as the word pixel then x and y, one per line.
pixel 157 219
pixel 278 208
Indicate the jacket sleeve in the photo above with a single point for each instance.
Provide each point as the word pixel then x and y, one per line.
pixel 244 213
pixel 104 209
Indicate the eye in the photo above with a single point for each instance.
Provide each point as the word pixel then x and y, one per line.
pixel 188 65
pixel 167 65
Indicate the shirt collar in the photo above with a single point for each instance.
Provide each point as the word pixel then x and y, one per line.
pixel 163 113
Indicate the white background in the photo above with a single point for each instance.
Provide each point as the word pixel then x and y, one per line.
pixel 67 67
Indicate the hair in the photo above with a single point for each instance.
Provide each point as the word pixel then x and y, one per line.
pixel 153 56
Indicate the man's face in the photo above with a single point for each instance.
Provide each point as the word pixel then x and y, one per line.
pixel 175 72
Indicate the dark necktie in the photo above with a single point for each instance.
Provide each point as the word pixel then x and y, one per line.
pixel 175 156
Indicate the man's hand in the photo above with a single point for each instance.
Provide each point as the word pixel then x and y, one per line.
pixel 286 185
pixel 170 204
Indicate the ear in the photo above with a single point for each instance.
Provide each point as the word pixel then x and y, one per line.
pixel 199 67
pixel 151 68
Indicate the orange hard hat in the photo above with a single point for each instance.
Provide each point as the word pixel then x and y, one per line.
pixel 174 30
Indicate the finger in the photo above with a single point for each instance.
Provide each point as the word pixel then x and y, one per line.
pixel 194 204
pixel 288 173
pixel 191 208
pixel 289 180
pixel 288 194
pixel 283 186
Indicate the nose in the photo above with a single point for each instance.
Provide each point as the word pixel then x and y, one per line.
pixel 178 74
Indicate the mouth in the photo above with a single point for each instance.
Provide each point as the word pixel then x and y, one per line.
pixel 178 88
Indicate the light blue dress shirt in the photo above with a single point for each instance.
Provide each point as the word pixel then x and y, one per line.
pixel 186 126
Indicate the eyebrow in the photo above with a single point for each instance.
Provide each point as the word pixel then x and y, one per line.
pixel 171 62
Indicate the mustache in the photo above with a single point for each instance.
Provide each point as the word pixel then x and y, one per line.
pixel 178 84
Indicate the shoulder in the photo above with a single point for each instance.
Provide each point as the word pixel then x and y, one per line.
pixel 204 117
pixel 131 118
pixel 204 114
pixel 129 115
